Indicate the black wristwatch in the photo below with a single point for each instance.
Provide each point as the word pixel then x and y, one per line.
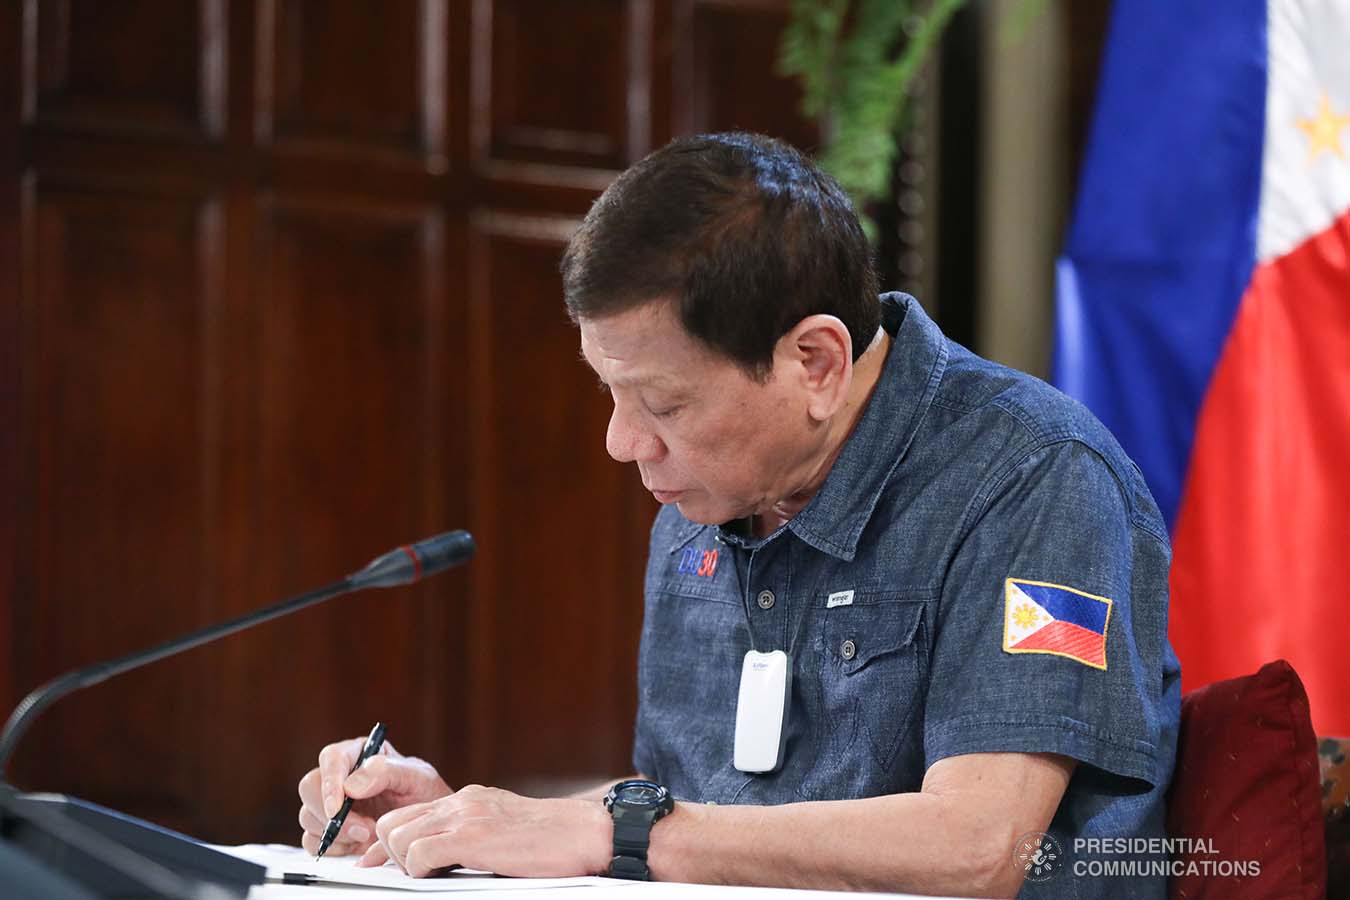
pixel 635 806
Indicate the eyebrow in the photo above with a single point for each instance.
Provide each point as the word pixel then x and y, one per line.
pixel 654 380
pixel 658 382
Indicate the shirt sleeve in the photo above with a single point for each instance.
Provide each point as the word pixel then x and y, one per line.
pixel 1052 622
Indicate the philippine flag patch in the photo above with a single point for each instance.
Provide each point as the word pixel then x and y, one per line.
pixel 1040 617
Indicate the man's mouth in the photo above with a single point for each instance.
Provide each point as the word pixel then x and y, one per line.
pixel 666 496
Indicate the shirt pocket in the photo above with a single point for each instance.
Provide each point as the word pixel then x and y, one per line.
pixel 874 664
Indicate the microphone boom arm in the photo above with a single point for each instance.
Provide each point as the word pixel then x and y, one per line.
pixel 47 694
pixel 403 565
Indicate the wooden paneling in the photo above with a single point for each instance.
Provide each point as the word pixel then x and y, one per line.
pixel 334 325
pixel 137 67
pixel 726 61
pixel 370 79
pixel 551 94
pixel 117 502
pixel 542 634
pixel 358 436
pixel 11 105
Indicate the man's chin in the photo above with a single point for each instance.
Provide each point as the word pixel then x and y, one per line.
pixel 700 512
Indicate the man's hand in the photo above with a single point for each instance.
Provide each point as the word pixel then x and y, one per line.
pixel 496 831
pixel 384 782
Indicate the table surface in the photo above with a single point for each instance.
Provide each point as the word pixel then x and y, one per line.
pixel 280 859
pixel 627 891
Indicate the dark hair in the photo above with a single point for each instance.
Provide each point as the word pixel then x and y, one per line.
pixel 741 231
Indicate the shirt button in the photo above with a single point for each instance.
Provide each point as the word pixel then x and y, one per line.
pixel 848 649
pixel 765 599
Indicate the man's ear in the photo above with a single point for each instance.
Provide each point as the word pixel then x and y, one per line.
pixel 817 354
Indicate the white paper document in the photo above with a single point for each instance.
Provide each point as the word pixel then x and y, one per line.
pixel 282 860
pixel 339 877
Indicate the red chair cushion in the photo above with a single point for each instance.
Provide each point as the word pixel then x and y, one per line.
pixel 1247 782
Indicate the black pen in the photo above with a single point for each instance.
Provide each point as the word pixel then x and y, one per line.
pixel 373 745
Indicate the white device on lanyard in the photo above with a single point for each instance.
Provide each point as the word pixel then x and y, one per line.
pixel 762 711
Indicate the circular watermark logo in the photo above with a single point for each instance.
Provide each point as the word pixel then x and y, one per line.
pixel 1038 855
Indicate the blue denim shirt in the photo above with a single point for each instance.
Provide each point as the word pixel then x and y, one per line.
pixel 960 475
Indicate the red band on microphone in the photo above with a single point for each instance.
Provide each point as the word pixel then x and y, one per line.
pixel 417 563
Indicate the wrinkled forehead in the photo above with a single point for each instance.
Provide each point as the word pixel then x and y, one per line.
pixel 645 344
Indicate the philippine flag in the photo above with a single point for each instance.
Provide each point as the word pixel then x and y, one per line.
pixel 1204 315
pixel 1040 617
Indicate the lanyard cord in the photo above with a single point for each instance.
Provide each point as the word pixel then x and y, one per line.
pixel 742 582
pixel 744 587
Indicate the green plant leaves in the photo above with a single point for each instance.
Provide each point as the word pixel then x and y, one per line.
pixel 857 62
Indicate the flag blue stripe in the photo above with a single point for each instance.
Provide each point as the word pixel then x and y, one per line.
pixel 1163 240
pixel 1067 606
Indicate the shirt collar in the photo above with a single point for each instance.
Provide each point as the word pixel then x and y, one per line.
pixel 835 517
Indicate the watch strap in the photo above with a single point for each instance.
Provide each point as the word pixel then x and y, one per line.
pixel 633 830
pixel 632 837
pixel 629 867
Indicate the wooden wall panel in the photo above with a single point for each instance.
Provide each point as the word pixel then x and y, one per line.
pixel 556 660
pixel 319 315
pixel 553 96
pixel 726 61
pixel 11 268
pixel 138 67
pixel 120 294
pixel 370 79
pixel 357 441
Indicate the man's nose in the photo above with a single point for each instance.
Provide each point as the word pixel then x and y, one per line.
pixel 628 441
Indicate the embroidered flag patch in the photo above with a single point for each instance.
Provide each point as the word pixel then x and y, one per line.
pixel 1040 617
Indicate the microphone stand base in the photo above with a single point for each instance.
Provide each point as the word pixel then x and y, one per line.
pixel 57 846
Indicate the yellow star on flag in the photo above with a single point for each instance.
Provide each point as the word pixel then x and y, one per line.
pixel 1324 130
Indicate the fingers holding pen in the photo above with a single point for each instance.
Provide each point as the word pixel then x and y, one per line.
pixel 357 833
pixel 394 781
pixel 335 761
pixel 373 778
pixel 310 822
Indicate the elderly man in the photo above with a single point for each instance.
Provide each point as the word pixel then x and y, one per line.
pixel 906 609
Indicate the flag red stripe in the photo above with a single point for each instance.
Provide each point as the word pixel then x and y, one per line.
pixel 1261 565
pixel 1066 637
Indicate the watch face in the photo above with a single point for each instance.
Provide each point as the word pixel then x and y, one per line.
pixel 640 794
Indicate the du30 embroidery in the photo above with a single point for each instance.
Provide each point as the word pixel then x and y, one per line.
pixel 698 562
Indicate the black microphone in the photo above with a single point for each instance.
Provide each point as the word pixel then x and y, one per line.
pixel 401 566
pixel 46 838
pixel 407 564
